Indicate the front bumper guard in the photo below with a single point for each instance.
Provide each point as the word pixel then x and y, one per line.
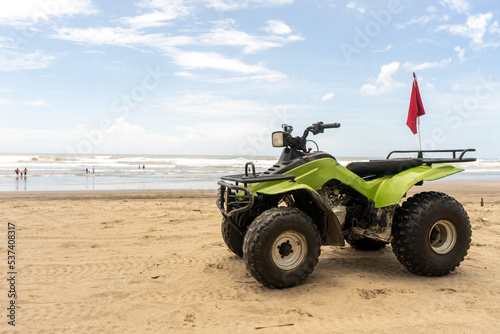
pixel 233 199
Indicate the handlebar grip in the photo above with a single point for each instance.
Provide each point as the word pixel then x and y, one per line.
pixel 330 125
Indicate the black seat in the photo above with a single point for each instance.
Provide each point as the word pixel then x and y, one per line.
pixel 378 168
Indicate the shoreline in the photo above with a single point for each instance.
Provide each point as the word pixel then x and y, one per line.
pixel 473 187
pixel 108 194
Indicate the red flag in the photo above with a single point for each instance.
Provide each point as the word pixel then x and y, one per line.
pixel 416 107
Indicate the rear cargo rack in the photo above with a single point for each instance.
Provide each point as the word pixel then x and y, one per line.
pixel 454 158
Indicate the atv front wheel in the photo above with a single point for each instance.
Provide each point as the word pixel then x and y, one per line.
pixel 232 238
pixel 281 247
pixel 431 234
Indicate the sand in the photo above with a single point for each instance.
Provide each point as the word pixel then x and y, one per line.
pixel 113 262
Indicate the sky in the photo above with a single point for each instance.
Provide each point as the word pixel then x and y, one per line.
pixel 217 77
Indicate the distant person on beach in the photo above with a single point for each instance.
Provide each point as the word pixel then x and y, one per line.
pixel 17 171
pixel 25 171
pixel 93 169
pixel 86 170
pixel 143 166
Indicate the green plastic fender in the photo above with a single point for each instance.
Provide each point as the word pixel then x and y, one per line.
pixel 383 191
pixel 391 189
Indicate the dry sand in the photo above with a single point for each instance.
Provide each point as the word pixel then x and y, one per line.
pixel 155 261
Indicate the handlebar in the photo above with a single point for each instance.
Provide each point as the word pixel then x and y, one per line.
pixel 331 125
pixel 299 143
pixel 319 127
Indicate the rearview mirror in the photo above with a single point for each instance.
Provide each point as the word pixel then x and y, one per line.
pixel 280 139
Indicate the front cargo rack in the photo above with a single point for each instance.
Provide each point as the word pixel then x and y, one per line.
pixel 242 178
pixel 251 177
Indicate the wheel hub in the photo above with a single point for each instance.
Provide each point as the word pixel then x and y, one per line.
pixel 289 250
pixel 442 237
pixel 285 249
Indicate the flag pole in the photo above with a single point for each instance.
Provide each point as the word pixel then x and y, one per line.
pixel 418 130
pixel 418 124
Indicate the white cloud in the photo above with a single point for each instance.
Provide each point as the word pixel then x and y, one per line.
pixel 460 6
pixel 121 129
pixel 163 11
pixel 249 43
pixel 475 28
pixel 185 74
pixel 11 59
pixel 121 137
pixel 34 139
pixel 206 106
pixel 426 65
pixel 185 59
pixel 223 33
pixel 5 102
pixel 423 20
pixel 460 52
pixel 228 5
pixel 270 76
pixel 277 27
pixel 40 102
pixel 384 83
pixel 355 7
pixel 494 28
pixel 431 9
pixel 195 136
pixel 119 36
pixel 224 135
pixel 215 105
pixel 35 103
pixel 387 48
pixel 328 96
pixel 213 60
pixel 27 12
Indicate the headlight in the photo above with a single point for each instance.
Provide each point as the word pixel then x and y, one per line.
pixel 280 139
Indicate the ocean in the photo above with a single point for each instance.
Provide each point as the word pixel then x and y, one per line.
pixel 57 172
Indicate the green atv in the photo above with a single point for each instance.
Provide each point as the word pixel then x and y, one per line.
pixel 279 219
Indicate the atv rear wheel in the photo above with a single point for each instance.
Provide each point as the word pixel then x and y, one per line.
pixel 431 234
pixel 232 238
pixel 281 247
pixel 366 244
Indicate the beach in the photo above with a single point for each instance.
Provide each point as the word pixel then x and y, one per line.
pixel 155 261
